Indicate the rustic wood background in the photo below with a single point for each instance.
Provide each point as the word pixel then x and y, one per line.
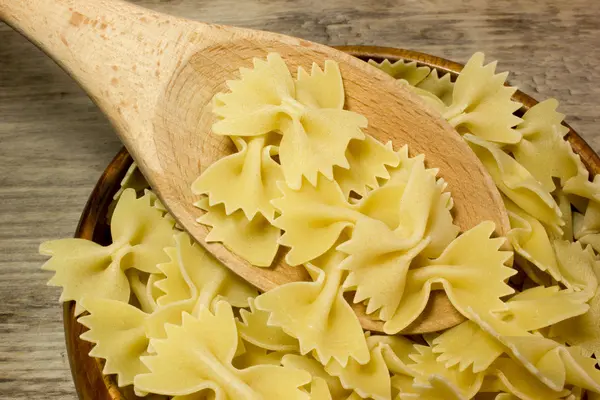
pixel 54 143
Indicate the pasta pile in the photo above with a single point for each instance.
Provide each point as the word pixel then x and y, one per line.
pixel 371 225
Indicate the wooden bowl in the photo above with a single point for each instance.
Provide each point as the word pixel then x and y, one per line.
pixel 90 383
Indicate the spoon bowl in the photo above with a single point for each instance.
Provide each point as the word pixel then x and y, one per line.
pixel 154 77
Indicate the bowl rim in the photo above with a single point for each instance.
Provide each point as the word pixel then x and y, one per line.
pixel 90 383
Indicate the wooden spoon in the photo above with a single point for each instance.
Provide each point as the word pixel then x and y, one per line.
pixel 154 75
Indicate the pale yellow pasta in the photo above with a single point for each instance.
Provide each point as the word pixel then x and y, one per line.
pixel 441 87
pixel 482 104
pixel 209 343
pixel 460 272
pixel 369 380
pixel 429 98
pixel 255 240
pixel 463 383
pixel 193 273
pixel 408 71
pixel 368 160
pixel 317 314
pixel 577 265
pixel 317 371
pixel 307 112
pixel 378 257
pixel 516 183
pixel 543 150
pixel 539 307
pixel 466 346
pixel 567 214
pixel 507 375
pixel 553 364
pixel 253 327
pixel 313 218
pixel 117 331
pixel 530 240
pixel 133 179
pixel 144 297
pixel 580 184
pixel 319 390
pixel 378 261
pixel 248 355
pixel 582 331
pixel 251 171
pixel 86 269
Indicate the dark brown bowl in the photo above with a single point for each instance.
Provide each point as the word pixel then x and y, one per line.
pixel 91 384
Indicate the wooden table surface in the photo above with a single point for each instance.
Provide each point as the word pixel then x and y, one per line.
pixel 54 143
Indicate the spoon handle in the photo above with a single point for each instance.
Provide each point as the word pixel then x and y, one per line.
pixel 120 54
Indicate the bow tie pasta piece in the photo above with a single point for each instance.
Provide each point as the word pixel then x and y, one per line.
pixel 251 177
pixel 466 345
pixel 396 351
pixel 432 100
pixel 412 200
pixel 252 355
pixel 530 241
pixel 379 258
pixel 193 273
pixel 464 384
pixel 312 218
pixel 315 129
pixel 317 314
pixel 378 261
pixel 509 376
pixel 254 328
pixel 133 179
pixel 555 365
pixel 516 183
pixel 540 307
pixel 582 331
pixel 440 87
pixel 319 390
pixel 317 371
pixel 543 150
pixel 367 160
pixel 316 142
pixel 580 184
pixel 86 269
pixel 482 104
pixel 253 106
pixel 410 71
pixel 193 279
pixel 197 355
pixel 141 231
pixel 255 240
pixel 370 380
pixel 471 270
pixel 588 225
pixel 320 88
pixel 118 333
pixel 578 265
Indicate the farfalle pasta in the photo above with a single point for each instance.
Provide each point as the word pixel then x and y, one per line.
pixel 370 225
pixel 86 269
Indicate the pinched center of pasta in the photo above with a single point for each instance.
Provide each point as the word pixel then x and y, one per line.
pixel 293 108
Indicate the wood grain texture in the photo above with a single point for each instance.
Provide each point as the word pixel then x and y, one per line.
pixel 54 143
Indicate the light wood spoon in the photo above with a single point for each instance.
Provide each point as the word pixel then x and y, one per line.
pixel 154 75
